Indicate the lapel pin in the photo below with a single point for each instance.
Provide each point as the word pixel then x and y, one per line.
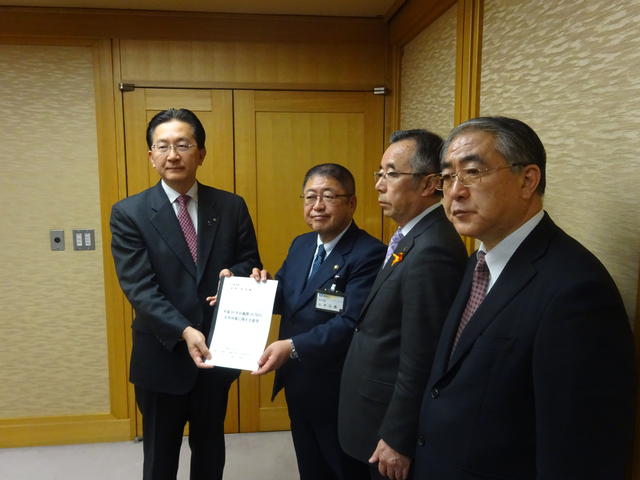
pixel 212 221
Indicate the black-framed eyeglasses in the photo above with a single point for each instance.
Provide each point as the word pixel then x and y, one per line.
pixel 469 176
pixel 163 149
pixel 327 198
pixel 393 175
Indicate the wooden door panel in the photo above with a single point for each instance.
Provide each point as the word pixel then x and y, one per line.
pixel 214 109
pixel 278 137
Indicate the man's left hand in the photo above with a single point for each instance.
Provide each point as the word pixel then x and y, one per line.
pixel 225 272
pixel 391 464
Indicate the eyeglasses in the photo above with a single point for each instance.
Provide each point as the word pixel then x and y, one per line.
pixel 391 176
pixel 327 198
pixel 469 176
pixel 163 149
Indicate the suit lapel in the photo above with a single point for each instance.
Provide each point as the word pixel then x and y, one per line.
pixel 164 220
pixel 208 221
pixel 405 246
pixel 331 265
pixel 450 327
pixel 518 272
pixel 304 257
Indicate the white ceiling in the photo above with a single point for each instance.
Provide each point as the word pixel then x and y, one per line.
pixel 351 8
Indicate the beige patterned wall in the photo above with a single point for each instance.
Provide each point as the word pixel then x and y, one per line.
pixel 571 69
pixel 53 347
pixel 427 97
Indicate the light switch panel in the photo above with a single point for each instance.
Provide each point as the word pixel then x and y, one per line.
pixel 56 238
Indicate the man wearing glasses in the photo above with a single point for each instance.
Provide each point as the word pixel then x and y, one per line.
pixel 170 243
pixel 323 283
pixel 534 373
pixel 389 360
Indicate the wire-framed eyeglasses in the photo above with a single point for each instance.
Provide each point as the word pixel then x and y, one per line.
pixel 326 198
pixel 164 148
pixel 469 176
pixel 393 175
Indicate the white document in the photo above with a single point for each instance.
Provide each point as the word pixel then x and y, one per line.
pixel 243 319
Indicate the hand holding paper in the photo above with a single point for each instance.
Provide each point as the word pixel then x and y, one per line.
pixel 242 320
pixel 196 346
pixel 273 357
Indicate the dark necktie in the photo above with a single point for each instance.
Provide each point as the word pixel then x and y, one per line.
pixel 317 261
pixel 186 224
pixel 393 243
pixel 479 286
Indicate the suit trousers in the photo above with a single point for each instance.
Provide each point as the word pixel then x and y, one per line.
pixel 315 439
pixel 164 417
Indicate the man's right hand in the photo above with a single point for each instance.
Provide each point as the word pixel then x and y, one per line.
pixel 197 347
pixel 273 357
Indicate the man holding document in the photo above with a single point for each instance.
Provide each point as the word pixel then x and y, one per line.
pixel 170 243
pixel 323 283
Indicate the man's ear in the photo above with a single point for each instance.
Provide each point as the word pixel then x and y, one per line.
pixel 353 202
pixel 428 185
pixel 530 179
pixel 202 152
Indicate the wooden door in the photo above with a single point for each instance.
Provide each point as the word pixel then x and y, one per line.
pixel 278 137
pixel 214 109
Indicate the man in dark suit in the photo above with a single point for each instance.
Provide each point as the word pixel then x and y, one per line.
pixel 170 243
pixel 390 357
pixel 534 373
pixel 319 300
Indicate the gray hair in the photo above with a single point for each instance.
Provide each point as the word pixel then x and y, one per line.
pixel 515 140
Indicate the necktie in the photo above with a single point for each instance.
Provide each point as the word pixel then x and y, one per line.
pixel 317 260
pixel 479 286
pixel 186 224
pixel 393 243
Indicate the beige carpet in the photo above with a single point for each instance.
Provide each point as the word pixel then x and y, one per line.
pixel 250 456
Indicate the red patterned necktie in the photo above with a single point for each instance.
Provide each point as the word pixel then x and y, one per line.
pixel 478 292
pixel 186 224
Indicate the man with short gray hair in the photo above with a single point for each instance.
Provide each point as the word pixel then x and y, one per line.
pixel 534 374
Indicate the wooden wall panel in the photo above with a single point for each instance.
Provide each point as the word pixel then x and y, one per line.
pixel 352 66
pixel 144 24
pixel 222 50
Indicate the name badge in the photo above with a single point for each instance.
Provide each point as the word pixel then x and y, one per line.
pixel 329 301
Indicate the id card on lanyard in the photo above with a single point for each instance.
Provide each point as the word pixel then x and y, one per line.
pixel 332 299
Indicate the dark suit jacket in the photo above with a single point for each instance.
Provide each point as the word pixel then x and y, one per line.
pixel 541 383
pixel 322 338
pixel 390 356
pixel 160 279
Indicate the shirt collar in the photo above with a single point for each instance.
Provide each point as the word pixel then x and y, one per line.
pixel 498 257
pixel 414 221
pixel 328 247
pixel 173 195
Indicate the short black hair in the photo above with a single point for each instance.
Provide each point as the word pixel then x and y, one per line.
pixel 515 140
pixel 182 114
pixel 333 170
pixel 428 146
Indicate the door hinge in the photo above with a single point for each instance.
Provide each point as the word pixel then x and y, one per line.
pixel 126 87
pixel 380 90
